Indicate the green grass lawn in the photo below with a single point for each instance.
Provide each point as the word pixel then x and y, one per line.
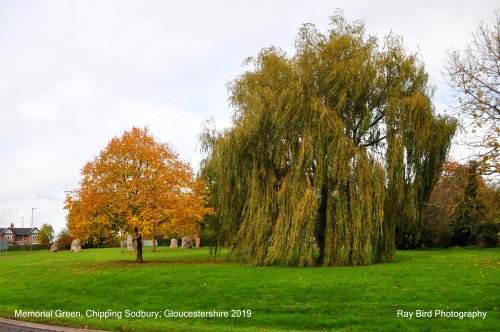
pixel 280 298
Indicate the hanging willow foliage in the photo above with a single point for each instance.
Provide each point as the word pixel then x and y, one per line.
pixel 333 148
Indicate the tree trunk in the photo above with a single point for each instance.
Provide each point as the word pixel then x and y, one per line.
pixel 320 239
pixel 321 226
pixel 139 250
pixel 154 239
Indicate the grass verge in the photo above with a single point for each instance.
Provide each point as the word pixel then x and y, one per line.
pixel 279 298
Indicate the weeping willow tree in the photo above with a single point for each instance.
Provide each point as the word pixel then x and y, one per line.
pixel 335 148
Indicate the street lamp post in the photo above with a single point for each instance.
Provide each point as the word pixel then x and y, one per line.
pixel 31 242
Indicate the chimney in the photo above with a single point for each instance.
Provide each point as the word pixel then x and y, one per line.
pixel 11 225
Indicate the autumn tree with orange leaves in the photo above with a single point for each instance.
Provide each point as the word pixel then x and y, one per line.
pixel 136 186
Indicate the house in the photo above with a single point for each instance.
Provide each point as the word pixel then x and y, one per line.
pixel 18 236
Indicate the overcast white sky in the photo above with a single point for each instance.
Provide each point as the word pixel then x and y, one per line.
pixel 73 74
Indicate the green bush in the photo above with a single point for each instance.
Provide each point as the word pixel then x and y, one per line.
pixel 163 240
pixel 28 247
pixel 485 235
pixel 443 239
pixel 64 240
pixel 113 242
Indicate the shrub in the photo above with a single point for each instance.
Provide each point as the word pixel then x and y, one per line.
pixel 28 247
pixel 486 234
pixel 64 240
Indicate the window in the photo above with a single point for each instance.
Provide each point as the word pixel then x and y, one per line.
pixel 34 236
pixel 8 237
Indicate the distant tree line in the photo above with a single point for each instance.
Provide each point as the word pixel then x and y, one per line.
pixel 463 210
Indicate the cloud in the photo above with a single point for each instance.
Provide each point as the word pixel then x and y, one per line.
pixel 51 198
pixel 73 74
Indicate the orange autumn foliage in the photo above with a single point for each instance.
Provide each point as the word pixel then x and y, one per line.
pixel 136 186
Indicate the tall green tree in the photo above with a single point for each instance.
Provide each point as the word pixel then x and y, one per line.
pixel 46 234
pixel 334 147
